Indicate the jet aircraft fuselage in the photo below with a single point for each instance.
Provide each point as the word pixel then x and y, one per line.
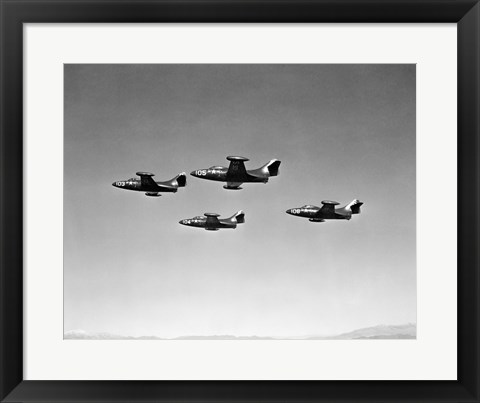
pixel 211 222
pixel 327 211
pixel 236 174
pixel 151 188
pixel 136 184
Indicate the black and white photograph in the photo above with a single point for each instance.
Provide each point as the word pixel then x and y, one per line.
pixel 239 202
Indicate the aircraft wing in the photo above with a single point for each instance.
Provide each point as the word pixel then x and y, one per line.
pixel 328 207
pixel 236 168
pixel 212 220
pixel 147 180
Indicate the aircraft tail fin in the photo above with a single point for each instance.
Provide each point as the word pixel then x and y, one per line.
pixel 267 170
pixel 179 181
pixel 271 167
pixel 354 206
pixel 238 217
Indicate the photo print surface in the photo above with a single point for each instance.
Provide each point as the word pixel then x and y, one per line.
pixel 166 238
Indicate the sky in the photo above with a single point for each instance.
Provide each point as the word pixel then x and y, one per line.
pixel 341 132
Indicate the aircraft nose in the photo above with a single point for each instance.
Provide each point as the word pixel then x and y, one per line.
pixel 289 211
pixel 114 184
pixel 181 222
pixel 193 173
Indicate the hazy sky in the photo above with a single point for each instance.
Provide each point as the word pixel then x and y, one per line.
pixel 341 132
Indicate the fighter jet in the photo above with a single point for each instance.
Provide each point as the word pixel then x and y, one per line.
pixel 211 222
pixel 236 174
pixel 327 212
pixel 149 186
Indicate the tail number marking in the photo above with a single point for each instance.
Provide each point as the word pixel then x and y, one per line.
pixel 201 172
pixel 295 211
pixel 120 183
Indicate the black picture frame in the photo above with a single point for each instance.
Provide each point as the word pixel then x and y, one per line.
pixel 14 13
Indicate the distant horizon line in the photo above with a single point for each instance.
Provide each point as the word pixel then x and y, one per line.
pixel 381 331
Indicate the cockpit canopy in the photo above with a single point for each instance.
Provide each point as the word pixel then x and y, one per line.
pixel 216 167
pixel 197 217
pixel 309 206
